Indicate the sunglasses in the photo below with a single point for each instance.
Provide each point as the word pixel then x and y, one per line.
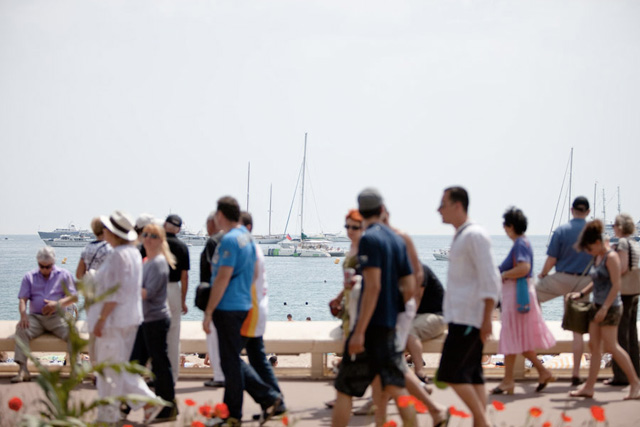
pixel 352 227
pixel 45 267
pixel 152 235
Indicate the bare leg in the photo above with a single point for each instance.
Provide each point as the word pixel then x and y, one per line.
pixel 578 346
pixel 543 373
pixel 609 336
pixel 474 396
pixel 408 414
pixel 414 346
pixel 341 410
pixel 595 340
pixel 414 386
pixel 508 382
pixel 380 399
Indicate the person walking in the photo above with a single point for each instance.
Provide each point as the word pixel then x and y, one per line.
pixel 473 285
pixel 523 328
pixel 606 310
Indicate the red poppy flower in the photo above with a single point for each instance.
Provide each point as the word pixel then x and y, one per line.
pixel 206 411
pixel 420 407
pixel 598 413
pixel 285 421
pixel 15 404
pixel 546 424
pixel 221 411
pixel 498 405
pixel 566 418
pixel 190 402
pixel 390 423
pixel 128 425
pixel 404 401
pixel 535 412
pixel 197 423
pixel 456 413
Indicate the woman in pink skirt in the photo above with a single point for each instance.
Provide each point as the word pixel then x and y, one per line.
pixel 523 329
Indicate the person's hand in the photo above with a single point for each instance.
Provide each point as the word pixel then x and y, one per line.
pixel 486 330
pixel 206 323
pixel 600 314
pixel 185 309
pixel 24 321
pixel 356 344
pixel 541 276
pixel 335 305
pixel 50 307
pixel 97 330
pixel 574 295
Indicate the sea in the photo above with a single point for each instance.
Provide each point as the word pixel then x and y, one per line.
pixel 301 287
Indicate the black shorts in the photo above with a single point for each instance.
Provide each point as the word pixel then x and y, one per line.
pixel 612 318
pixel 461 360
pixel 379 358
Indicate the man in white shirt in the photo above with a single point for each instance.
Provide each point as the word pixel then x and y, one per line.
pixel 473 286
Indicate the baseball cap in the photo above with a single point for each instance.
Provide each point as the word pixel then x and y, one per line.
pixel 174 219
pixel 581 203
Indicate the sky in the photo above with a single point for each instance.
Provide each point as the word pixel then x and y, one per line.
pixel 159 106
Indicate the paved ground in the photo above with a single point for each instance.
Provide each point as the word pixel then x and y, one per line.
pixel 305 401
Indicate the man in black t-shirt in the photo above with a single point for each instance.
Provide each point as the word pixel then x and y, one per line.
pixel 176 289
pixel 429 322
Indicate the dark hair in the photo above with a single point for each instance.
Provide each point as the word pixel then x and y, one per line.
pixel 371 212
pixel 515 218
pixel 591 233
pixel 458 194
pixel 229 208
pixel 273 360
pixel 246 219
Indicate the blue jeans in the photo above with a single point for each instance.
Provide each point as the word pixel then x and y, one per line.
pixel 151 342
pixel 260 381
pixel 258 360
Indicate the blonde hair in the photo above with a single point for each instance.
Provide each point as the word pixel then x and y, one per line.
pixel 164 249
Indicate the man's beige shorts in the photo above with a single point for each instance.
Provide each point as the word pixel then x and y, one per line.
pixel 560 284
pixel 427 326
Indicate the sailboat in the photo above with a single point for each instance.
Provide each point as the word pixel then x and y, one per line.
pixel 268 239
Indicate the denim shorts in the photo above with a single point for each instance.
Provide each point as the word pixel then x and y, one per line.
pixel 612 318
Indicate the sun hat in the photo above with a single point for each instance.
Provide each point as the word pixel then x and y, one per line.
pixel 174 219
pixel 369 199
pixel 120 224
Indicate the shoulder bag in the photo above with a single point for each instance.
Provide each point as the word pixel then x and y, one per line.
pixel 576 313
pixel 630 282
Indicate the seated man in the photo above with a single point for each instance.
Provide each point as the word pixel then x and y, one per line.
pixel 44 288
pixel 428 322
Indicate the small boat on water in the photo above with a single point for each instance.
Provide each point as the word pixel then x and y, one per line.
pixel 69 241
pixel 441 254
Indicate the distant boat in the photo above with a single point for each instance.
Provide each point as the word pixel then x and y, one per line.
pixel 71 230
pixel 192 239
pixel 441 254
pixel 69 241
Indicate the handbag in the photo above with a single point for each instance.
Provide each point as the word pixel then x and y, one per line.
pixel 576 313
pixel 576 316
pixel 630 281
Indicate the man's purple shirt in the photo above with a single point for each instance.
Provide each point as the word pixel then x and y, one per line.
pixel 36 288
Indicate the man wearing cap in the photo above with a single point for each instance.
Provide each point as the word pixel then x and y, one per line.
pixel 370 355
pixel 570 274
pixel 176 289
pixel 43 289
pixel 473 286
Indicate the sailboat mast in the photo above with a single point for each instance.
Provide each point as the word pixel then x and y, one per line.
pixel 604 208
pixel 570 182
pixel 304 164
pixel 619 200
pixel 595 199
pixel 248 181
pixel 270 194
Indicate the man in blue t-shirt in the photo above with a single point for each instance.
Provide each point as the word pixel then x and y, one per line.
pixel 570 272
pixel 233 267
pixel 370 355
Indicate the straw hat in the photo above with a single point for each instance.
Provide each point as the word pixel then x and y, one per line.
pixel 120 224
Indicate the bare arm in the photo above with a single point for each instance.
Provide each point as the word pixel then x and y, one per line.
pixel 487 327
pixel 218 288
pixel 24 316
pixel 520 270
pixel 81 270
pixel 184 280
pixel 407 285
pixel 369 299
pixel 418 272
pixel 548 265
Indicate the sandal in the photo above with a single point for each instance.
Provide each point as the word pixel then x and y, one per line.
pixel 151 413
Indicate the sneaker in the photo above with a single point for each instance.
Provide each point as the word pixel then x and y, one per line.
pixel 23 376
pixel 269 412
pixel 280 411
pixel 213 383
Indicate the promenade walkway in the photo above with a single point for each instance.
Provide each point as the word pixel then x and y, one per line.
pixel 305 401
